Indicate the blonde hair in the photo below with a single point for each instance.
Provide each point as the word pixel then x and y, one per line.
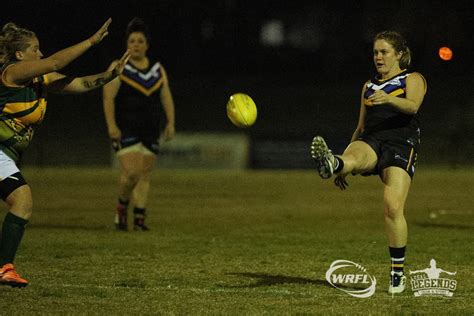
pixel 12 39
pixel 399 44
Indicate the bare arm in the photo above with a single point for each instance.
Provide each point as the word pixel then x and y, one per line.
pixel 415 92
pixel 168 106
pixel 109 92
pixel 362 115
pixel 64 84
pixel 24 71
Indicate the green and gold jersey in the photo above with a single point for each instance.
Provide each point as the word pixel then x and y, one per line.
pixel 21 109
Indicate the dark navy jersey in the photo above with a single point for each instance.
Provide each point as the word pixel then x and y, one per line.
pixel 137 105
pixel 384 117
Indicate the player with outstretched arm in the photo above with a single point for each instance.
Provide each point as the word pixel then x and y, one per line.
pixel 25 78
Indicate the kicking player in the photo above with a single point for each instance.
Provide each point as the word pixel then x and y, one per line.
pixel 385 142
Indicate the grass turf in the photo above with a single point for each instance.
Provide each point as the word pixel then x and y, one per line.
pixel 228 242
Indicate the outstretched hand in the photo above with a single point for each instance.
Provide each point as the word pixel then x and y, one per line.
pixel 120 65
pixel 340 181
pixel 101 33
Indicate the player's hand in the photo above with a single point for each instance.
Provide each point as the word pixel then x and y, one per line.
pixel 115 133
pixel 340 181
pixel 101 33
pixel 379 97
pixel 169 132
pixel 120 65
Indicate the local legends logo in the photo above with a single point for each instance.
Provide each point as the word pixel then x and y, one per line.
pixel 347 276
pixel 428 282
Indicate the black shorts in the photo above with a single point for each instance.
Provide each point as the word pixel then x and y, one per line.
pixel 393 149
pixel 10 184
pixel 150 143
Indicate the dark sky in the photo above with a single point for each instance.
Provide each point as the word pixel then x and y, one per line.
pixel 223 37
pixel 308 85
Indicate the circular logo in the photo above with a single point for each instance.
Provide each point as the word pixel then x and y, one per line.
pixel 360 277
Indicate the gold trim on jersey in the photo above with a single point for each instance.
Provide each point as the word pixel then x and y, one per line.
pixel 394 93
pixel 397 92
pixel 410 159
pixel 35 116
pixel 140 88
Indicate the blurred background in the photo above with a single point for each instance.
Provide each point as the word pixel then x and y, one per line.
pixel 303 63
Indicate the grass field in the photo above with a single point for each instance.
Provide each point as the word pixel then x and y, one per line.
pixel 239 243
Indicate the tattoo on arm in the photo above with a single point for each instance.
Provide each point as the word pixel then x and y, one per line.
pixel 99 82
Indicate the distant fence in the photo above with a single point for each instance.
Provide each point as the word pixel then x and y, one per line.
pixel 290 114
pixel 204 151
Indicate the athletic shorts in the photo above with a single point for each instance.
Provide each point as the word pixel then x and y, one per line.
pixel 10 176
pixel 132 143
pixel 393 150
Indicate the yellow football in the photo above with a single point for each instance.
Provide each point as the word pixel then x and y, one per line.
pixel 241 110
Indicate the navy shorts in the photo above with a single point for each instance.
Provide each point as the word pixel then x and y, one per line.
pixel 393 150
pixel 151 144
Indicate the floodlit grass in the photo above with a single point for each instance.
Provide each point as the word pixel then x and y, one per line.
pixel 226 242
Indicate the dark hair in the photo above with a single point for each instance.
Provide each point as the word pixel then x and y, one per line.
pixel 399 44
pixel 137 25
pixel 12 39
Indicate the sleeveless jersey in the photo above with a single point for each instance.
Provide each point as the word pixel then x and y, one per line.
pixel 137 104
pixel 21 109
pixel 385 117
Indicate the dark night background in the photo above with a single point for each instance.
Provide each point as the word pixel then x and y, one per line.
pixel 307 84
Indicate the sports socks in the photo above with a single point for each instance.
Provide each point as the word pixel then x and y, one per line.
pixel 12 233
pixel 123 204
pixel 139 219
pixel 121 215
pixel 139 215
pixel 338 164
pixel 397 256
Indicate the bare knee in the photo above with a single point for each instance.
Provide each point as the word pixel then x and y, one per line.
pixel 21 202
pixel 351 163
pixel 145 175
pixel 131 176
pixel 393 210
pixel 359 157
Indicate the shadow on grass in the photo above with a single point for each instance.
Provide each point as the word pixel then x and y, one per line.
pixel 269 279
pixel 444 225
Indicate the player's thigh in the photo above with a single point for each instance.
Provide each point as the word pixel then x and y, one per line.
pixel 396 186
pixel 130 162
pixel 149 161
pixel 361 155
pixel 20 201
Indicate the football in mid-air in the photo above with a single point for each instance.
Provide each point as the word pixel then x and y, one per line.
pixel 241 110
